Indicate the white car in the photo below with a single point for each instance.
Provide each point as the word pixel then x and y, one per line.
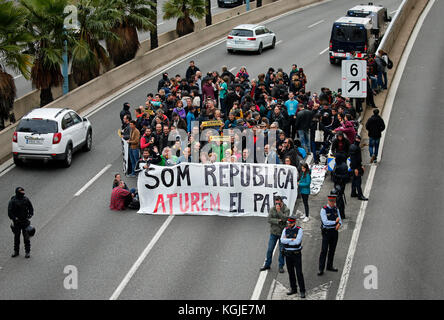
pixel 250 37
pixel 51 134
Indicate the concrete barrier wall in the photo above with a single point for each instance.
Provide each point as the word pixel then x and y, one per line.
pixel 396 25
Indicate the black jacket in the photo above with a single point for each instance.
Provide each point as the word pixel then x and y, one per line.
pixel 335 146
pixel 151 160
pixel 355 156
pixel 303 120
pixel 340 173
pixel 375 125
pixel 20 209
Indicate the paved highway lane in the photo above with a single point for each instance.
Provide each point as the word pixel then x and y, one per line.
pixel 402 231
pixel 195 254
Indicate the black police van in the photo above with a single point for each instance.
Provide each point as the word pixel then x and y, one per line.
pixel 359 33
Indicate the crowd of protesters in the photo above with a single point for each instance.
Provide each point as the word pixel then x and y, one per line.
pixel 304 122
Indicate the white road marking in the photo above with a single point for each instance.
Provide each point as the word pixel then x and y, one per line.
pixel 278 42
pixel 7 166
pixel 232 69
pixel 386 116
pixel 324 51
pixel 315 24
pixel 90 182
pixel 261 280
pixel 141 258
pixel 394 11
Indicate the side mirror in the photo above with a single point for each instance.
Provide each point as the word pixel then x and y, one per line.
pixel 84 119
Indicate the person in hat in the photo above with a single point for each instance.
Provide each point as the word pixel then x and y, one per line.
pixel 20 210
pixel 331 222
pixel 291 240
pixel 277 218
pixel 357 169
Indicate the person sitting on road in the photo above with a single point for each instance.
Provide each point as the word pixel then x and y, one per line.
pixel 116 182
pixel 120 197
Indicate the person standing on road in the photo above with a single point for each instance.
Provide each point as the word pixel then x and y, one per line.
pixel 291 239
pixel 277 218
pixel 20 210
pixel 134 143
pixel 331 222
pixel 125 111
pixel 303 124
pixel 357 169
pixel 375 125
pixel 304 187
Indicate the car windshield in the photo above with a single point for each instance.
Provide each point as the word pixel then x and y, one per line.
pixel 349 33
pixel 40 126
pixel 358 14
pixel 241 33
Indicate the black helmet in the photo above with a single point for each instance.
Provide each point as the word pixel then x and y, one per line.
pixel 30 230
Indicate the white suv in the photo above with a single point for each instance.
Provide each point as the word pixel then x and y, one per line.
pixel 250 37
pixel 51 134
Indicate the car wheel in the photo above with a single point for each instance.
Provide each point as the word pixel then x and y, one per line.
pixel 273 44
pixel 230 50
pixel 261 47
pixel 68 156
pixel 88 142
pixel 18 162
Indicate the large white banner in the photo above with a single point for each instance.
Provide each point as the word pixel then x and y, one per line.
pixel 227 189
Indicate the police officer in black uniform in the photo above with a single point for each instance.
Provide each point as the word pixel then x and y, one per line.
pixel 331 222
pixel 291 240
pixel 20 210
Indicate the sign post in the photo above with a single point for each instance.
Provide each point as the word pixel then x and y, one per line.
pixel 354 78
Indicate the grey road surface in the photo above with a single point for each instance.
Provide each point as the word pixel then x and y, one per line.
pixel 402 232
pixel 196 257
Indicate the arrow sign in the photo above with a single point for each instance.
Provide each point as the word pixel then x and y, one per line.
pixel 355 84
pixel 354 78
pixel 317 293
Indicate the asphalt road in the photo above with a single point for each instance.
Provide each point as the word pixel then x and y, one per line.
pixel 402 232
pixel 196 257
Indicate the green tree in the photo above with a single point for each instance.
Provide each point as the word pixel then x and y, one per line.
pixel 136 14
pixel 13 39
pixel 183 10
pixel 45 22
pixel 95 20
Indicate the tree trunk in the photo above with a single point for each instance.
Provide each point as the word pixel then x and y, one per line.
pixel 208 18
pixel 45 96
pixel 154 40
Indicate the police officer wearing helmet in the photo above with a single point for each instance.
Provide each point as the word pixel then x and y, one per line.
pixel 291 240
pixel 20 210
pixel 331 222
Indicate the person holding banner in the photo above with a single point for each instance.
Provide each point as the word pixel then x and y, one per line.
pixel 277 218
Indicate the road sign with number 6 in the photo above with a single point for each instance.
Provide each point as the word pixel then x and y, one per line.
pixel 354 78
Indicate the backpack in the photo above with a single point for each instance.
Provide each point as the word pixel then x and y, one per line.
pixel 390 63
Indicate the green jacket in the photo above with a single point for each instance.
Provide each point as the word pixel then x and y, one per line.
pixel 276 226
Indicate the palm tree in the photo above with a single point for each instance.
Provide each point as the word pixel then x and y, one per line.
pixel 208 21
pixel 95 20
pixel 183 10
pixel 45 22
pixel 154 39
pixel 13 39
pixel 136 14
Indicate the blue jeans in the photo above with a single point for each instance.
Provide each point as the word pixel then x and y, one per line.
pixel 134 157
pixel 305 139
pixel 271 245
pixel 373 147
